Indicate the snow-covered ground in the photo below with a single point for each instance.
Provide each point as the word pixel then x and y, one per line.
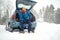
pixel 44 31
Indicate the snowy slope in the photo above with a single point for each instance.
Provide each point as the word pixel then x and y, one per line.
pixel 44 31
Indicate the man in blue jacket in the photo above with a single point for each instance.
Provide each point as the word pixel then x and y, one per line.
pixel 25 16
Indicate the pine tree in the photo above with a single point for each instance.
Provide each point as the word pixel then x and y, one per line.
pixel 57 16
pixel 46 14
pixel 51 13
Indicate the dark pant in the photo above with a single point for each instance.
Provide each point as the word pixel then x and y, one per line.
pixel 27 22
pixel 29 25
pixel 22 26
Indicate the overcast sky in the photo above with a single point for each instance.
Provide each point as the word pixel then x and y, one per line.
pixel 39 5
pixel 44 3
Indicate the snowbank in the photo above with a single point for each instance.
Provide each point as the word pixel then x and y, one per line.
pixel 44 31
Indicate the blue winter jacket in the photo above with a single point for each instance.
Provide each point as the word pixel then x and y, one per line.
pixel 25 16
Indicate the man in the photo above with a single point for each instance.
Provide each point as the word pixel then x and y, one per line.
pixel 25 16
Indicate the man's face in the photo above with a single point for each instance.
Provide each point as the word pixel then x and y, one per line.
pixel 23 10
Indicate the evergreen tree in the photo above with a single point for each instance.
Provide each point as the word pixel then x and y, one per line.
pixel 46 15
pixel 51 13
pixel 57 16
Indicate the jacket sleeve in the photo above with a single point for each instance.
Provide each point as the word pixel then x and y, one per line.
pixel 20 16
pixel 30 15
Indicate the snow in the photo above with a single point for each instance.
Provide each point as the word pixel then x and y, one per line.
pixel 44 31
